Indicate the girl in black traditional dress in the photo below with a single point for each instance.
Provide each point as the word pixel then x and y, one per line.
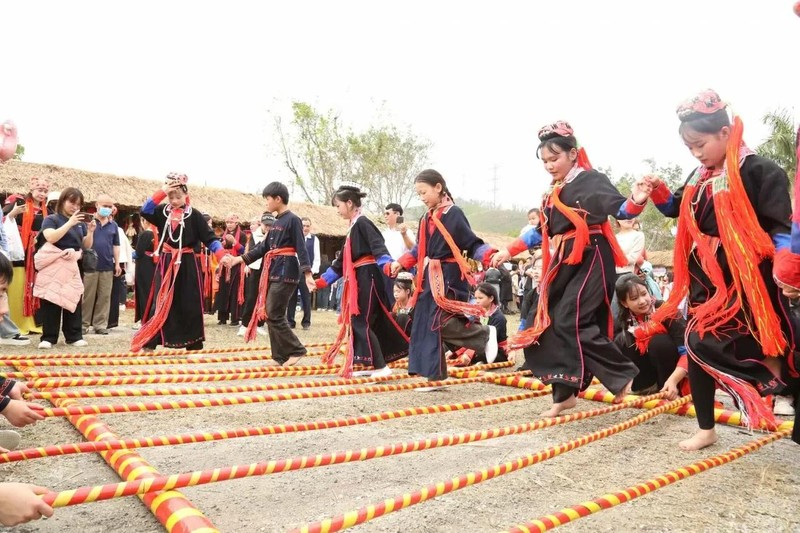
pixel 174 314
pixel 663 364
pixel 375 338
pixel 443 280
pixel 570 341
pixel 486 297
pixel 733 211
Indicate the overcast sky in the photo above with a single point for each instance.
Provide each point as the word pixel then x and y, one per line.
pixel 154 87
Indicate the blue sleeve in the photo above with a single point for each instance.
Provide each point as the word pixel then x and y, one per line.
pixel 149 206
pixel 783 240
pixel 215 246
pixel 532 238
pixel 628 210
pixel 115 242
pixel 330 276
pixel 667 206
pixel 383 259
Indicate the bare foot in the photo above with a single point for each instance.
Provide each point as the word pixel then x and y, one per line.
pixel 620 396
pixel 558 408
pixel 272 362
pixel 702 439
pixel 292 360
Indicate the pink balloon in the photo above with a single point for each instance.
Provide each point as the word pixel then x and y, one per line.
pixel 8 140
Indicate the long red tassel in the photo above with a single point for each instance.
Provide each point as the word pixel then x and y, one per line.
pixel 240 295
pixel 454 307
pixel 581 240
pixel 541 321
pixel 30 303
pixel 620 259
pixel 163 304
pixel 260 311
pixel 421 253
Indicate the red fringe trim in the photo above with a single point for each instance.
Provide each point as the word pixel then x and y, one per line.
pixel 260 310
pixel 163 302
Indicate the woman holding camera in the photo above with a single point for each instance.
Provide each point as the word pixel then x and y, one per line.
pixel 58 282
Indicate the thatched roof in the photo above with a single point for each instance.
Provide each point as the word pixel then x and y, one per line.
pixel 130 192
pixel 660 258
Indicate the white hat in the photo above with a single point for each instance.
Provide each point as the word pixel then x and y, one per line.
pixel 53 196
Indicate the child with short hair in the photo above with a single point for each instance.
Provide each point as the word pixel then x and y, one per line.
pixel 285 264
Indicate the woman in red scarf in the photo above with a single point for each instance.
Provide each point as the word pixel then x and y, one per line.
pixel 733 213
pixel 570 339
pixel 29 213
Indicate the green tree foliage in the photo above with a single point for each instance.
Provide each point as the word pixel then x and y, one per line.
pixel 320 151
pixel 19 153
pixel 657 228
pixel 780 144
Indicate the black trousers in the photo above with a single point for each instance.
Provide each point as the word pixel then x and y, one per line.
pixel 52 321
pixel 282 340
pixel 305 302
pixel 250 296
pixel 119 295
pixel 656 365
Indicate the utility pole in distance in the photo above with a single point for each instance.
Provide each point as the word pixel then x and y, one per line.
pixel 494 186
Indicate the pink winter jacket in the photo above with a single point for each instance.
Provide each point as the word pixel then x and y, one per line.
pixel 58 279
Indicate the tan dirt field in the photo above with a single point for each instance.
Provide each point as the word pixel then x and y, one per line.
pixel 759 492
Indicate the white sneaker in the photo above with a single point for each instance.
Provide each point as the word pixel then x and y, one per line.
pixel 136 325
pixel 79 343
pixel 783 406
pixel 491 345
pixel 44 345
pixel 382 373
pixel 242 331
pixel 262 331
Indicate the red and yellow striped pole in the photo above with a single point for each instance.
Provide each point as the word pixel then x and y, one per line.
pixel 53 383
pixel 190 479
pixel 277 429
pixel 231 389
pixel 175 512
pixel 159 353
pixel 139 361
pixel 607 501
pixel 276 370
pixel 435 490
pixel 241 400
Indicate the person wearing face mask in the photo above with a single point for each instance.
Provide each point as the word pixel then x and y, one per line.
pixel 98 284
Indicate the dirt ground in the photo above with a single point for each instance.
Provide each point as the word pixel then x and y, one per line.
pixel 759 492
